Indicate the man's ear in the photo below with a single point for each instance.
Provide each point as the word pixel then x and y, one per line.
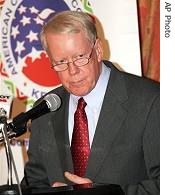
pixel 99 49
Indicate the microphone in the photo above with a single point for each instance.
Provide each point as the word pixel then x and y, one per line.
pixel 49 103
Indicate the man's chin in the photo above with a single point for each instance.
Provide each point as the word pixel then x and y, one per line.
pixel 79 92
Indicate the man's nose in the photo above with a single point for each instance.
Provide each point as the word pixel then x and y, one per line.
pixel 72 68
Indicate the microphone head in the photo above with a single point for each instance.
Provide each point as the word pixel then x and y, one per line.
pixel 53 101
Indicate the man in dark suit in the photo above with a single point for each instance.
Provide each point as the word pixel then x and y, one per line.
pixel 122 112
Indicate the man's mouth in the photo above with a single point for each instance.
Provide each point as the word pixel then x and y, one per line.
pixel 78 83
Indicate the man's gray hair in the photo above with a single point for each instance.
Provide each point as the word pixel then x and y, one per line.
pixel 70 22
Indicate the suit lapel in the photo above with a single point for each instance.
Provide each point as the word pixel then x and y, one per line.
pixel 60 129
pixel 110 120
pixel 62 135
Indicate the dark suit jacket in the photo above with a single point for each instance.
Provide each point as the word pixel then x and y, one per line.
pixel 125 148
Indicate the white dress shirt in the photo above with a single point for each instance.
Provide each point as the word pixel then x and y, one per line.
pixel 94 102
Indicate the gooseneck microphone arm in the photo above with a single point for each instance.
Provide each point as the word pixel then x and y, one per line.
pixel 18 126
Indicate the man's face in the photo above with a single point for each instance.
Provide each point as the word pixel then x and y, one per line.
pixel 69 47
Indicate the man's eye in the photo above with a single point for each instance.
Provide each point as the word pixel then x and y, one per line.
pixel 80 56
pixel 61 62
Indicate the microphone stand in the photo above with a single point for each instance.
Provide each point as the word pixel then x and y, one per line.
pixel 9 163
pixel 9 189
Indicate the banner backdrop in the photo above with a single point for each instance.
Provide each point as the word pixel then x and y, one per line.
pixel 25 68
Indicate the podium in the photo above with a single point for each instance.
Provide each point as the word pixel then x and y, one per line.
pixel 80 189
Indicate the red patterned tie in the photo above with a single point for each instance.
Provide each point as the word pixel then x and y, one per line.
pixel 80 140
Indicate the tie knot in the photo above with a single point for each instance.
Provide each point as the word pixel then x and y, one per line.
pixel 81 104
